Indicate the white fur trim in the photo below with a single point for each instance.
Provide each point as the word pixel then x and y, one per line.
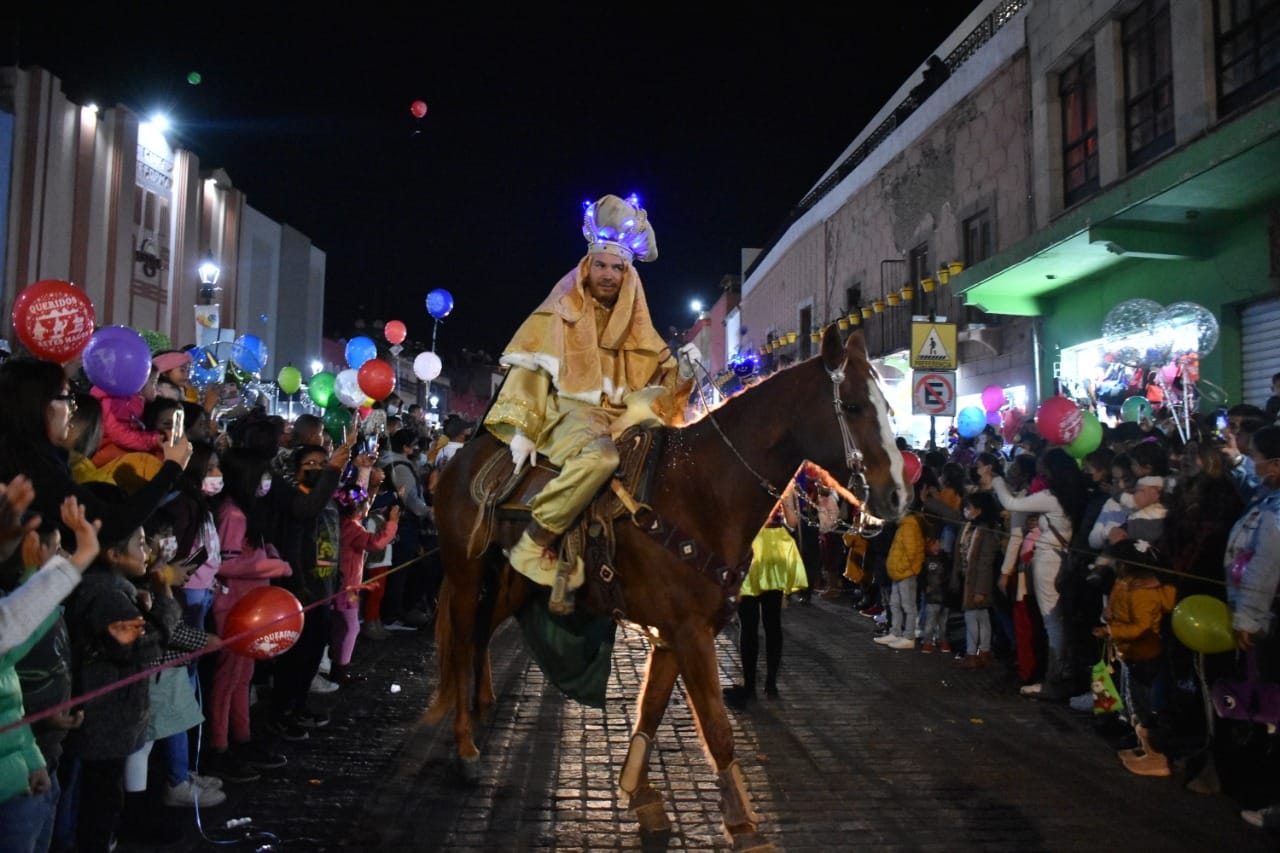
pixel 532 361
pixel 590 397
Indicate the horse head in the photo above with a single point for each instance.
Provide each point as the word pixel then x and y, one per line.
pixel 872 459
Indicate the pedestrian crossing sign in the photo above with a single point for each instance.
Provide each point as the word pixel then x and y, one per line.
pixel 933 346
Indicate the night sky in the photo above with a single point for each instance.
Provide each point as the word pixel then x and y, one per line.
pixel 720 125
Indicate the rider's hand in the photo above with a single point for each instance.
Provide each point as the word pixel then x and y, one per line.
pixel 523 450
pixel 688 356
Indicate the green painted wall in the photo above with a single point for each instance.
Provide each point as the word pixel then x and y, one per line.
pixel 1234 276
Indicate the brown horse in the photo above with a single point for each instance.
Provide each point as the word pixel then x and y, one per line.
pixel 717 481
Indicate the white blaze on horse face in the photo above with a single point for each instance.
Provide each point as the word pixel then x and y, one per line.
pixel 876 395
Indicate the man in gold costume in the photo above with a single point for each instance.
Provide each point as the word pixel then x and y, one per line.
pixel 581 367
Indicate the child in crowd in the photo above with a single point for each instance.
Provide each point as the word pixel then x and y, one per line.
pixel 109 643
pixel 977 553
pixel 937 571
pixel 1135 612
pixel 379 562
pixel 1146 520
pixel 355 542
pixel 247 563
pixel 905 562
pixel 122 429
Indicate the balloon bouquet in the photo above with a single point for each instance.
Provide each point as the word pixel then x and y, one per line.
pixel 1164 346
pixel 427 365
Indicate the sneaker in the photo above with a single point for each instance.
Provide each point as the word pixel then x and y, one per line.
pixel 311 719
pixel 230 768
pixel 263 759
pixel 1031 689
pixel 288 728
pixel 881 618
pixel 208 783
pixel 873 610
pixel 374 630
pixel 1267 818
pixel 326 665
pixel 902 643
pixel 885 639
pixel 397 625
pixel 1082 703
pixel 186 795
pixel 320 684
pixel 926 647
pixel 944 647
pixel 416 618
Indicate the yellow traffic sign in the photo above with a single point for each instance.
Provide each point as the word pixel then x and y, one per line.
pixel 933 346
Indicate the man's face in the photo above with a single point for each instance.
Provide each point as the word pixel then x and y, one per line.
pixel 604 278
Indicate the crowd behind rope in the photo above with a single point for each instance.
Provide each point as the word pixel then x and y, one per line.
pixel 129 528
pixel 1057 564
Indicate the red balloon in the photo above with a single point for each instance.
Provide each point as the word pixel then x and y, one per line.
pixel 395 332
pixel 911 466
pixel 1059 420
pixel 376 378
pixel 273 615
pixel 53 319
pixel 418 108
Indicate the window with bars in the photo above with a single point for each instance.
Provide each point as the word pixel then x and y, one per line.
pixel 1078 94
pixel 1148 81
pixel 1247 37
pixel 918 263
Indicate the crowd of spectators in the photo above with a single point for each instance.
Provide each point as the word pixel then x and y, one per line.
pixel 129 528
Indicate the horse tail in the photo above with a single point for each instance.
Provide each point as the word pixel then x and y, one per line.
pixel 446 694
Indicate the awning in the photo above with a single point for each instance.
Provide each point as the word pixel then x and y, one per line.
pixel 1167 211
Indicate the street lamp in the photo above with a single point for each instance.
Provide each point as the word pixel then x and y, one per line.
pixel 209 290
pixel 696 306
pixel 316 366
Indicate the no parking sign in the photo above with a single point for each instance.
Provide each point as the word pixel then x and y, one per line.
pixel 934 393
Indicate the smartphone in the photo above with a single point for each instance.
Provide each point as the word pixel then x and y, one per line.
pixel 179 426
pixel 1220 421
pixel 197 557
pixel 371 445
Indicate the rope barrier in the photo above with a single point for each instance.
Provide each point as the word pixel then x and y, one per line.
pixel 222 645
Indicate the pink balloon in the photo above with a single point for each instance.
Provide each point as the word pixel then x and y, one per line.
pixel 993 398
pixel 995 419
pixel 911 466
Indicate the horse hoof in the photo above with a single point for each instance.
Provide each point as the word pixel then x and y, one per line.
pixel 653 819
pixel 469 768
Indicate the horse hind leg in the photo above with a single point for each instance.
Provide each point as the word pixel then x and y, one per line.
pixel 644 801
pixel 511 595
pixel 702 681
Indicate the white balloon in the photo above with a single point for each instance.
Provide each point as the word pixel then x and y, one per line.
pixel 347 387
pixel 427 366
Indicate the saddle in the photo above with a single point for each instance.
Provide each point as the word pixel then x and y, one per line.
pixel 505 496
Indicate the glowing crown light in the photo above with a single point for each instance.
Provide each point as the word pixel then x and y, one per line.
pixel 611 224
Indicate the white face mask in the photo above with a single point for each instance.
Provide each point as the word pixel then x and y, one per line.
pixel 393 410
pixel 211 486
pixel 264 486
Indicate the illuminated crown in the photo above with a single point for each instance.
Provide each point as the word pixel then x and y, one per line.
pixel 620 227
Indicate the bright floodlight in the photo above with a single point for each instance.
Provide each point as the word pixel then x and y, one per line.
pixel 433 400
pixel 160 122
pixel 316 366
pixel 696 305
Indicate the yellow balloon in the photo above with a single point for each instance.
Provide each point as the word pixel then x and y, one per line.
pixel 1202 623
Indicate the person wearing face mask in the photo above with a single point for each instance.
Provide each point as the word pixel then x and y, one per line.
pixel 190 515
pixel 294 512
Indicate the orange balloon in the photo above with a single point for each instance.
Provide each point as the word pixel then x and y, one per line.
pixel 274 617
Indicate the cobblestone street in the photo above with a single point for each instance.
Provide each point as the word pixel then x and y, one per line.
pixel 867 748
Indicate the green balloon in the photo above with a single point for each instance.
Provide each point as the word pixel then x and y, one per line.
pixel 1202 623
pixel 1135 408
pixel 321 388
pixel 289 379
pixel 1090 436
pixel 337 422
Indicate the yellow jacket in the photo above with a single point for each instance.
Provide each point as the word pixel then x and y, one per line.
pixel 906 554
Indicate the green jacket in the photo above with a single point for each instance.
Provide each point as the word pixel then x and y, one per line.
pixel 19 755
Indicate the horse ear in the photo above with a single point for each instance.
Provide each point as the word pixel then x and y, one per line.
pixel 833 355
pixel 856 343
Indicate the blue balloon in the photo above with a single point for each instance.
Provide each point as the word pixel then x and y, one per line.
pixel 439 303
pixel 971 421
pixel 250 352
pixel 359 350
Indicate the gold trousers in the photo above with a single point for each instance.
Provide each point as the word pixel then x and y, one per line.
pixel 581 444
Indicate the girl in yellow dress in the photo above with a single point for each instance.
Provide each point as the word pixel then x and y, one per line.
pixel 777 570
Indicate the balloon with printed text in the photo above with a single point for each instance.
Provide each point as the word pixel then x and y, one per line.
pixel 1058 420
pixel 53 319
pixel 265 623
pixel 1090 437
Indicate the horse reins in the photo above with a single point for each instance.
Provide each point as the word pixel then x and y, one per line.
pixel 853 456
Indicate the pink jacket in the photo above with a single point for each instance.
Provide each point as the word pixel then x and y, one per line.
pixel 244 566
pixel 355 543
pixel 122 430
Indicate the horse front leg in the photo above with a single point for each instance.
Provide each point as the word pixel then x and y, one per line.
pixel 643 799
pixel 702 682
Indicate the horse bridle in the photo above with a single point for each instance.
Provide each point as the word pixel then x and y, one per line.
pixel 866 525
